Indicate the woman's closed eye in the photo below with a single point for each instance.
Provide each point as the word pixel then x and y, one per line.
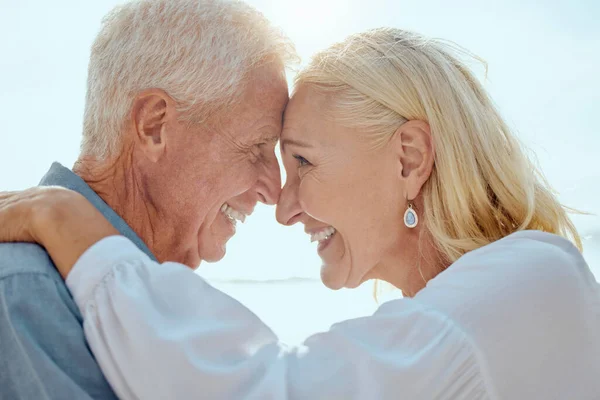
pixel 302 162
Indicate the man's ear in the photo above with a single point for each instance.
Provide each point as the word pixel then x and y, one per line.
pixel 152 110
pixel 415 155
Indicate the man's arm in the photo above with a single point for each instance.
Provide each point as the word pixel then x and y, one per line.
pixel 43 353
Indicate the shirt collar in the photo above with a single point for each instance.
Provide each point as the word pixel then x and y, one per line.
pixel 61 176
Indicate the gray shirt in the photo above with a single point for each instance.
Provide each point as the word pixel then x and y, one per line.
pixel 43 352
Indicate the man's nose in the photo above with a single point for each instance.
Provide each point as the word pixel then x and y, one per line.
pixel 289 210
pixel 269 183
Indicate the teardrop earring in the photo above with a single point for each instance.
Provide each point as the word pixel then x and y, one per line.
pixel 410 217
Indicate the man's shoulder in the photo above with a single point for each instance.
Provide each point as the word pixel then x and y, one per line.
pixel 25 258
pixel 42 343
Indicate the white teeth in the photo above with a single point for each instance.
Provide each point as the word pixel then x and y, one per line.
pixel 322 235
pixel 233 214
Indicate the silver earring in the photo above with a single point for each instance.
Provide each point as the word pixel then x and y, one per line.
pixel 410 217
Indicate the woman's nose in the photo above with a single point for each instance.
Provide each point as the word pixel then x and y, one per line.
pixel 288 207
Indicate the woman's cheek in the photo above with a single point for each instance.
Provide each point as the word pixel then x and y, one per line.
pixel 315 198
pixel 308 195
pixel 303 195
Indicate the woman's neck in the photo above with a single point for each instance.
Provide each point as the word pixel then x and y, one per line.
pixel 409 266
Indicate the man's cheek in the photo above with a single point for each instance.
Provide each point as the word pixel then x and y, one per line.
pixel 241 181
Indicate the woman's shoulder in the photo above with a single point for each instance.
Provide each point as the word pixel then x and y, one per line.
pixel 530 305
pixel 531 246
pixel 527 267
pixel 524 261
pixel 526 246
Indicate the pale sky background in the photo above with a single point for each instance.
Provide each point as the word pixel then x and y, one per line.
pixel 544 73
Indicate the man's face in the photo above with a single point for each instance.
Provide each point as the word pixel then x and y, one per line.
pixel 216 172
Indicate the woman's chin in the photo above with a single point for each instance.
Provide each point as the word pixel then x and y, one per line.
pixel 332 277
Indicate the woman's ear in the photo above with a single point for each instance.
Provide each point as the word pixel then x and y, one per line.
pixel 415 155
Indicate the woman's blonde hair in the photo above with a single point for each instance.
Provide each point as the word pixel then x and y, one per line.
pixel 483 186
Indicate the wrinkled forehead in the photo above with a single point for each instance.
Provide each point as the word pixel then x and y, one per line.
pixel 272 91
pixel 258 113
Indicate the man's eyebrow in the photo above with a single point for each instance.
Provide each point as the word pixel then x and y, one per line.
pixel 269 139
pixel 298 143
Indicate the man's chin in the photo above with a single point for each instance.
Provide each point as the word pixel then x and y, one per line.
pixel 191 261
pixel 215 255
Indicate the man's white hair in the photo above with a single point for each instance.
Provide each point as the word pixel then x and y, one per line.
pixel 197 51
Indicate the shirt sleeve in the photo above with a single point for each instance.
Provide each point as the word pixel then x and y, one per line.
pixel 43 353
pixel 160 331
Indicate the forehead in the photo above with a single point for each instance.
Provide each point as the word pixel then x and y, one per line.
pixel 310 118
pixel 305 115
pixel 267 87
pixel 260 110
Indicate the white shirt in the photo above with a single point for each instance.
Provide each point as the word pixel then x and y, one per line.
pixel 517 319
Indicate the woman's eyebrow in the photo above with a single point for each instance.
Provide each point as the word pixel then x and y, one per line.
pixel 298 143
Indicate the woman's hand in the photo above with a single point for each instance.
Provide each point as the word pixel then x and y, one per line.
pixel 61 220
pixel 20 212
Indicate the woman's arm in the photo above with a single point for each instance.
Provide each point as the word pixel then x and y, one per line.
pixel 160 331
pixel 59 219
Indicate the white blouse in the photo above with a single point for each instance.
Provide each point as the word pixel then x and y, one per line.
pixel 517 319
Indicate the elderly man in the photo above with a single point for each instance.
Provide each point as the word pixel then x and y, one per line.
pixel 183 110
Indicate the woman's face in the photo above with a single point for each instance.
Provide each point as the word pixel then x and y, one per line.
pixel 350 197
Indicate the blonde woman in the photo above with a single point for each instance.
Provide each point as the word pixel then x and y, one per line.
pixel 403 170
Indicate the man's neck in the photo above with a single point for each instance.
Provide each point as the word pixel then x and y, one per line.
pixel 117 183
